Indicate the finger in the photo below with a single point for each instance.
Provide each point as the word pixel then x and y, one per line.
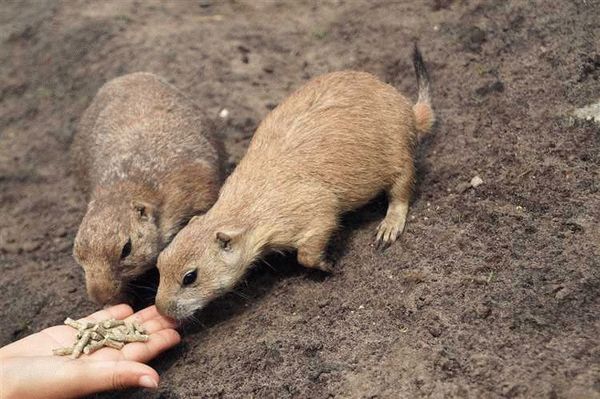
pixel 114 312
pixel 144 315
pixel 159 323
pixel 97 376
pixel 152 320
pixel 146 351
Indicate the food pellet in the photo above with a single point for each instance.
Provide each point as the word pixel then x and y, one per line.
pixel 111 333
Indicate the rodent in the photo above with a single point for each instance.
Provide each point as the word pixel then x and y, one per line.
pixel 147 159
pixel 329 148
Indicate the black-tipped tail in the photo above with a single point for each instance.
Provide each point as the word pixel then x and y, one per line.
pixel 424 116
pixel 422 76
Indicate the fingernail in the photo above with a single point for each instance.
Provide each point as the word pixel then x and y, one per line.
pixel 148 382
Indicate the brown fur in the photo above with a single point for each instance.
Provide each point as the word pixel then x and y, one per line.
pixel 148 161
pixel 327 149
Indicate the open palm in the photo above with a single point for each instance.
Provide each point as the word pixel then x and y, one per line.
pixel 28 368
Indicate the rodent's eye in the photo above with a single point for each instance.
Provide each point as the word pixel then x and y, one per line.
pixel 126 249
pixel 190 277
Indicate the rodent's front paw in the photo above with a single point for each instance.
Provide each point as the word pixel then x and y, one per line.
pixel 388 231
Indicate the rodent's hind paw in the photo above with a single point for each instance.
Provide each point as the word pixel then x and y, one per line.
pixel 325 266
pixel 314 260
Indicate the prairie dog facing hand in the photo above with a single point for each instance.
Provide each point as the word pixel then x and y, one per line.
pixel 327 149
pixel 148 161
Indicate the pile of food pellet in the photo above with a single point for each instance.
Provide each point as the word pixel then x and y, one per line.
pixel 93 336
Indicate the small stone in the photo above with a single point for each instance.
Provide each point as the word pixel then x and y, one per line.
pixel 476 181
pixel 589 113
pixel 62 232
pixel 562 293
pixel 512 391
pixel 224 113
pixel 243 49
pixel 483 311
pixel 473 38
pixel 462 187
pixel 494 87
pixel 10 248
pixel 323 302
pixel 62 246
pixel 435 330
pixel 31 246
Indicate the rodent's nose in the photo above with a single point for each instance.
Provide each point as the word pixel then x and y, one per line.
pixel 104 294
pixel 165 307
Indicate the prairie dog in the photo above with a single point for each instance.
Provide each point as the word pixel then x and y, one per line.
pixel 148 162
pixel 328 148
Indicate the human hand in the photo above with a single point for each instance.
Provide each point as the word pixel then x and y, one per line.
pixel 28 369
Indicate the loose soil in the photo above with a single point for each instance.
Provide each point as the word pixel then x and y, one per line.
pixel 492 291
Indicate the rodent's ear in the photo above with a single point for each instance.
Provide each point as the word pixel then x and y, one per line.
pixel 227 238
pixel 224 240
pixel 144 210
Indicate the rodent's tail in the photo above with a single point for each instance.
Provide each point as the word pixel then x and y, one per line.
pixel 423 112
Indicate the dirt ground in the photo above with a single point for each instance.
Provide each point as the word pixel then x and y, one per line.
pixel 492 292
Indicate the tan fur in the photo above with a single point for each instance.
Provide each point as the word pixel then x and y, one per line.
pixel 327 149
pixel 148 161
pixel 423 118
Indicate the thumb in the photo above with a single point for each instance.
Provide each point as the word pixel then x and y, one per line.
pixel 51 377
pixel 116 374
pixel 98 376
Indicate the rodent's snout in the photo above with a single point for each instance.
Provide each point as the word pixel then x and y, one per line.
pixel 165 306
pixel 104 292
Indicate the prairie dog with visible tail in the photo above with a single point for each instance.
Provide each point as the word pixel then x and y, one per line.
pixel 327 149
pixel 148 161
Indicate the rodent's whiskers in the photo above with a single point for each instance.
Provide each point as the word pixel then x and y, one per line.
pixel 191 320
pixel 241 295
pixel 143 287
pixel 268 264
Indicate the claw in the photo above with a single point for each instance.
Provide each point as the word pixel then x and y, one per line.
pixel 387 234
pixel 378 242
pixel 383 245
